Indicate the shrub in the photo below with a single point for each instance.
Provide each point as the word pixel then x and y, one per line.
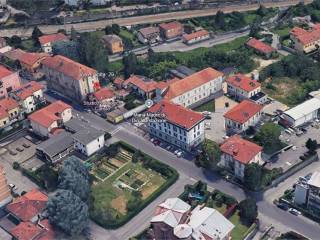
pixel 16 165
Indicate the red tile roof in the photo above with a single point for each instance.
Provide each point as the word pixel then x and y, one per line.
pixel 8 104
pixel 30 231
pixel 103 93
pixel 52 38
pixel 29 205
pixel 240 149
pixel 14 54
pixel 260 46
pixel 68 67
pixel 28 90
pixel 243 82
pixel 201 33
pixel 243 111
pixel 50 234
pixel 193 81
pixel 170 25
pixel 3 114
pixel 48 115
pixel 145 85
pixel 31 58
pixel 118 81
pixel 176 114
pixel 304 36
pixel 4 72
pixel 164 84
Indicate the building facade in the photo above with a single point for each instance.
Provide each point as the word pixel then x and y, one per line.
pixel 171 30
pixel 196 37
pixel 149 35
pixel 176 125
pixel 305 41
pixel 9 81
pixel 113 43
pixel 47 41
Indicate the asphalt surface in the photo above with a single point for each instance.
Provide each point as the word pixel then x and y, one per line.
pixel 92 26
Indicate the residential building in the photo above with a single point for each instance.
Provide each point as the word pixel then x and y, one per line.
pixel 9 111
pixel 173 219
pixel 46 41
pixel 149 34
pixel 49 118
pixel 88 140
pixel 175 124
pixel 237 153
pixel 307 192
pixel 118 82
pixel 171 30
pixel 242 116
pixel 302 113
pixel 33 231
pixel 142 86
pixel 196 37
pixel 242 87
pixel 29 96
pixel 9 81
pixel 113 43
pixel 305 41
pixel 70 78
pixel 56 148
pixel 195 89
pixel 93 2
pixel 5 193
pixel 29 206
pixel 102 96
pixel 30 62
pixel 260 47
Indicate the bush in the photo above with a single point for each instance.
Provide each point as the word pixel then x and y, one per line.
pixel 16 165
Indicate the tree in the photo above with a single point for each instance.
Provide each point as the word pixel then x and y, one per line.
pixel 130 62
pixel 136 156
pixel 69 49
pixel 210 155
pixel 219 20
pixel 108 30
pixel 73 34
pixel 312 145
pixel 248 210
pixel 253 176
pixel 134 201
pixel 255 28
pixel 15 41
pixel 262 11
pixel 268 135
pixel 36 33
pixel 115 28
pixel 74 176
pixel 67 212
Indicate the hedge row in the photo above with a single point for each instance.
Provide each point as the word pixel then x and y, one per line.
pixel 171 175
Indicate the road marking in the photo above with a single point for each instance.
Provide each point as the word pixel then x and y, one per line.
pixel 115 131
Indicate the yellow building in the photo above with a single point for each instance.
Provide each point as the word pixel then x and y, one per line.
pixel 113 43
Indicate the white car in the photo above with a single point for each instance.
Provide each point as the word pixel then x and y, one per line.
pixel 294 211
pixel 13 187
pixel 176 151
pixel 179 154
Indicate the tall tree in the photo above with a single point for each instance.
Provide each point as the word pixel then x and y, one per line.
pixel 67 212
pixel 130 62
pixel 220 20
pixel 255 27
pixel 248 210
pixel 69 49
pixel 115 28
pixel 210 155
pixel 74 176
pixel 312 145
pixel 36 33
pixel 268 135
pixel 252 176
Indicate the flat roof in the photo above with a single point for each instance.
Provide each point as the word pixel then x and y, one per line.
pixel 87 135
pixel 315 179
pixel 303 109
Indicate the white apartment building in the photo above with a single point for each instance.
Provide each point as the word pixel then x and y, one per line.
pixel 242 116
pixel 237 153
pixel 70 78
pixel 242 87
pixel 194 89
pixel 88 140
pixel 175 124
pixel 29 96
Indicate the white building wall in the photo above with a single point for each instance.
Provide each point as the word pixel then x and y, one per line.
pixel 235 127
pixel 90 148
pixel 41 130
pixel 241 94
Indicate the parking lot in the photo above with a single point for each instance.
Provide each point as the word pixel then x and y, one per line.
pixel 291 157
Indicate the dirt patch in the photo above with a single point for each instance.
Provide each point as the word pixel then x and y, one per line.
pixel 147 190
pixel 116 162
pixel 120 204
pixel 220 102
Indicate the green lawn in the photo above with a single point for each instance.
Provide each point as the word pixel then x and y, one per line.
pixel 29 45
pixel 282 32
pixel 240 229
pixel 209 106
pixel 125 33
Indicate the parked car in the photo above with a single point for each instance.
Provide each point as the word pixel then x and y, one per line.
pixel 294 211
pixel 157 142
pixel 179 154
pixel 176 151
pixel 13 187
pixel 283 206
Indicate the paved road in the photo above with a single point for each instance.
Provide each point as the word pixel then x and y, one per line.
pixel 91 26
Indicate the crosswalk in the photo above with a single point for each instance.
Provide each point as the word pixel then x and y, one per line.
pixel 116 130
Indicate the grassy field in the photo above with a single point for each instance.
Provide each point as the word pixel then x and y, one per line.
pixel 209 106
pixel 281 89
pixel 240 229
pixel 283 31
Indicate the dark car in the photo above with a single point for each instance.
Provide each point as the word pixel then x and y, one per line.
pixel 283 206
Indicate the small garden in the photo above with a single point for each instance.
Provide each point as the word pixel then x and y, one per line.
pixel 208 106
pixel 125 181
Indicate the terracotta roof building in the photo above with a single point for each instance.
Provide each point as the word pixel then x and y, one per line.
pixel 195 37
pixel 10 107
pixel 31 231
pixel 305 40
pixel 29 206
pixel 9 81
pixel 175 124
pixel 237 152
pixel 70 78
pixel 5 193
pixel 149 34
pixel 171 30
pixel 103 95
pixel 47 41
pixel 113 43
pixel 242 87
pixel 260 47
pixel 194 89
pixel 45 120
pixel 242 116
pixel 143 86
